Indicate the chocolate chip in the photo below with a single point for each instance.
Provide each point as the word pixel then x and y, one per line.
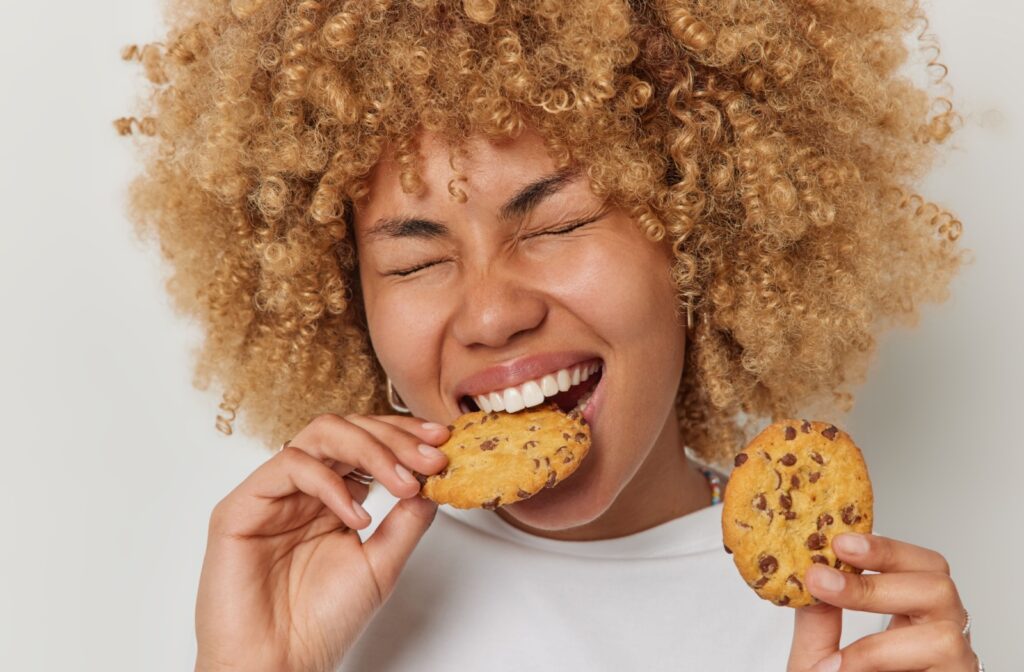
pixel 567 459
pixel 806 427
pixel 529 444
pixel 830 432
pixel 768 564
pixel 727 549
pixel 816 541
pixel 813 478
pixel 565 436
pixel 760 582
pixel 794 482
pixel 783 601
pixel 839 564
pixel 760 502
pixel 740 459
pixel 467 425
pixel 533 428
pixel 789 515
pixel 825 519
pixel 820 559
pixel 451 428
pixel 580 437
pixel 795 581
pixel 786 501
pixel 552 475
pixel 489 444
pixel 848 516
pixel 789 459
pixel 522 494
pixel 790 433
pixel 817 458
pixel 778 479
pixel 766 456
pixel 740 523
pixel 536 463
pixel 493 504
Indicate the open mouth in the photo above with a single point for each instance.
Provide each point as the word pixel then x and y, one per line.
pixel 568 388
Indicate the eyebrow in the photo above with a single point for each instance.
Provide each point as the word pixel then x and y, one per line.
pixel 514 209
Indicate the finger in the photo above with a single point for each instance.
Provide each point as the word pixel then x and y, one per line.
pixel 928 646
pixel 816 632
pixel 330 437
pixel 882 554
pixel 410 449
pixel 358 491
pixel 432 433
pixel 925 596
pixel 289 472
pixel 393 541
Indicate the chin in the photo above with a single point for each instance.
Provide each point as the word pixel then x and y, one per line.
pixel 575 501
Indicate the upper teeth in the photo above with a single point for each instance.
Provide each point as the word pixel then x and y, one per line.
pixel 533 392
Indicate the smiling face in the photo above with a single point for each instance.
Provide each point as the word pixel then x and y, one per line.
pixel 530 275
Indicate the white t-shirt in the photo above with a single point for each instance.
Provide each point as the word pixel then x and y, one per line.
pixel 479 594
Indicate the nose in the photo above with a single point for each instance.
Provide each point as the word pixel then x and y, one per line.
pixel 496 308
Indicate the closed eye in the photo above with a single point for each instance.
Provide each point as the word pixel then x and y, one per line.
pixel 401 272
pixel 568 228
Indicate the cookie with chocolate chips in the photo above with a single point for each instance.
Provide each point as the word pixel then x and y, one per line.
pixel 797 485
pixel 500 458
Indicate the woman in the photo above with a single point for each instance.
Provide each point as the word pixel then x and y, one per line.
pixel 702 209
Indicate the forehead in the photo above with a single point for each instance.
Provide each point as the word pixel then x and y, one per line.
pixel 487 170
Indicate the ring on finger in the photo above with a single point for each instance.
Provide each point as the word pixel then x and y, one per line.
pixel 357 475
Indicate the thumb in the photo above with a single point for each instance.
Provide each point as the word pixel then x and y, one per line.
pixel 816 632
pixel 393 541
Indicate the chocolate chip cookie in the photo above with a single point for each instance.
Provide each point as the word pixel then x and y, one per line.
pixel 500 458
pixel 797 485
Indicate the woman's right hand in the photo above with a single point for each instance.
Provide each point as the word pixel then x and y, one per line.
pixel 286 582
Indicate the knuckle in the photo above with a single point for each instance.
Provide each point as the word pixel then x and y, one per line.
pixel 948 639
pixel 220 516
pixel 293 455
pixel 863 587
pixel 942 564
pixel 944 589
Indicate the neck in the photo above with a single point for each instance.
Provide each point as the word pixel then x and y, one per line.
pixel 667 485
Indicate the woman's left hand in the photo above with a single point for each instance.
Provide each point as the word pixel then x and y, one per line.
pixel 913 586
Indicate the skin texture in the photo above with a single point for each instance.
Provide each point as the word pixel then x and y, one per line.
pixel 792 157
pixel 283 568
pixel 499 292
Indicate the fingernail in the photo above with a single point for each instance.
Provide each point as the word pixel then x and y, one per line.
pixel 830 664
pixel 359 511
pixel 828 578
pixel 429 451
pixel 404 474
pixel 432 426
pixel 852 543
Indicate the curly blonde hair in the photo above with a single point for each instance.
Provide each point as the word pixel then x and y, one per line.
pixel 772 145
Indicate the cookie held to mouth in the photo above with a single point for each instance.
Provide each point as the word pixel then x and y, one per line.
pixel 796 486
pixel 496 459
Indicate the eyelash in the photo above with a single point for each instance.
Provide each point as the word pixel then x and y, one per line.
pixel 552 232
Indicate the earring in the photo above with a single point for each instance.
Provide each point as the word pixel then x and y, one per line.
pixel 394 400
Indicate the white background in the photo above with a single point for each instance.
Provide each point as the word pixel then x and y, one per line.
pixel 111 462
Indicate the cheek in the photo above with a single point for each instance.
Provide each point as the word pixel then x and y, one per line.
pixel 622 289
pixel 404 334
